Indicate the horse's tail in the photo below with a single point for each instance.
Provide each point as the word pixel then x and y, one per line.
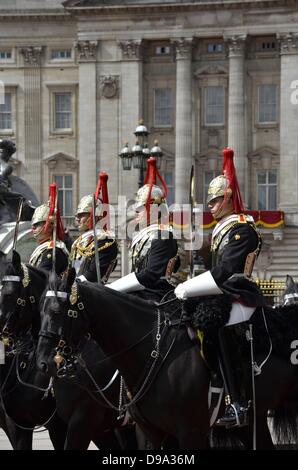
pixel 285 425
pixel 220 438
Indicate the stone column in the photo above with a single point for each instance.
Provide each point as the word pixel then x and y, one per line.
pixel 131 106
pixel 236 111
pixel 289 127
pixel 87 116
pixel 183 142
pixel 32 117
pixel 131 112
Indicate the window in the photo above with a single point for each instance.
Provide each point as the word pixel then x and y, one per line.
pixel 162 107
pixel 6 113
pixel 5 55
pixel 162 50
pixel 214 105
pixel 62 113
pixel 267 103
pixel 268 45
pixel 214 48
pixel 267 189
pixel 62 54
pixel 168 176
pixel 208 177
pixel 65 194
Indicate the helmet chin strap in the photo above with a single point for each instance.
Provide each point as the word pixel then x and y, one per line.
pixel 41 236
pixel 223 210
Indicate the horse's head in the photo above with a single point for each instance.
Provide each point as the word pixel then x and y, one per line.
pixel 16 299
pixel 290 295
pixel 61 323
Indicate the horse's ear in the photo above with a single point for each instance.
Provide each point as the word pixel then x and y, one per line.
pixel 289 281
pixel 71 275
pixel 16 259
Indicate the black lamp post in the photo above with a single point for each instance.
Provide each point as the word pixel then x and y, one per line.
pixel 140 152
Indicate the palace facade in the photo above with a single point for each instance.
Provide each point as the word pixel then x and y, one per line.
pixel 76 77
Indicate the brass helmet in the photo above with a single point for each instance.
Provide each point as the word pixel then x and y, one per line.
pixel 156 196
pixel 226 184
pixel 219 186
pixel 86 203
pixel 40 214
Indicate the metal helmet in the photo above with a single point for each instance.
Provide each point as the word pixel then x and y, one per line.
pixel 86 203
pixel 156 195
pixel 227 185
pixel 40 214
pixel 219 186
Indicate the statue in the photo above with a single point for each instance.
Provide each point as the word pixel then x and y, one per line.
pixel 12 188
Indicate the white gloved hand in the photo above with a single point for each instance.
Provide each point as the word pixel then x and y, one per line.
pixel 181 292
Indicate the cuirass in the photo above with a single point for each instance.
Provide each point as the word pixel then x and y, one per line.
pixel 140 252
pixel 217 254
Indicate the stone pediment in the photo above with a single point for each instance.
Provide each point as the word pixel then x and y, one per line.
pixel 212 69
pixel 68 160
pixel 263 152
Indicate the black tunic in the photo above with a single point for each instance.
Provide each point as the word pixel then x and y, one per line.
pixel 151 268
pixel 107 257
pixel 46 260
pixel 229 262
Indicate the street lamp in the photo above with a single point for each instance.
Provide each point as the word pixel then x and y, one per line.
pixel 140 152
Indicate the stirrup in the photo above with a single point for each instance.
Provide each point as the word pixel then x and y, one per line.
pixel 235 416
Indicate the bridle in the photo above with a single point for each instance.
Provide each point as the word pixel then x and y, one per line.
pixel 23 297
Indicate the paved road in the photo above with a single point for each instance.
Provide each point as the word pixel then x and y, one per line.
pixel 41 441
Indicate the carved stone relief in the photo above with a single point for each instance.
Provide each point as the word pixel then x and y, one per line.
pixel 32 55
pixel 108 86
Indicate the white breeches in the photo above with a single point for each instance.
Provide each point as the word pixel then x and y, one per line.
pixel 240 313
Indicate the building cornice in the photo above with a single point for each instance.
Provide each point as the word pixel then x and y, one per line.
pixel 34 15
pixel 78 8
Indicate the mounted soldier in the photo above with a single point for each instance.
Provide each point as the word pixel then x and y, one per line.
pixel 235 246
pixel 49 233
pixel 82 255
pixel 153 249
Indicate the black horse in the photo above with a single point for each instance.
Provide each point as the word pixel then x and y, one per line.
pixel 24 392
pixel 166 378
pixel 77 394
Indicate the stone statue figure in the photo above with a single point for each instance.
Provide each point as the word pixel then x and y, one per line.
pixel 12 188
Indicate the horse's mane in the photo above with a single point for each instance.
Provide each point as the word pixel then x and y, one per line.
pixel 8 268
pixel 128 301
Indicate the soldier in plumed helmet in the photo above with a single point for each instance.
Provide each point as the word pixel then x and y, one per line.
pixel 42 227
pixel 82 255
pixel 153 250
pixel 235 246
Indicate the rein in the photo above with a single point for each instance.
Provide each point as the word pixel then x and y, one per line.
pixel 78 307
pixel 21 299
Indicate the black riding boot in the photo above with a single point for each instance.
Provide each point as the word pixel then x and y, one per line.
pixel 236 363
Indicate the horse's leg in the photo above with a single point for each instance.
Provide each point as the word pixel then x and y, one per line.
pixel 127 437
pixel 109 440
pixel 193 440
pixel 57 432
pixel 22 439
pixel 8 427
pixel 79 434
pixel 263 435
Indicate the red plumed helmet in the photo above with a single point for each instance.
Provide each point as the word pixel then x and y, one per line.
pixel 54 211
pixel 228 170
pixel 101 193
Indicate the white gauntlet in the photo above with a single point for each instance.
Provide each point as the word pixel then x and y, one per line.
pixel 201 285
